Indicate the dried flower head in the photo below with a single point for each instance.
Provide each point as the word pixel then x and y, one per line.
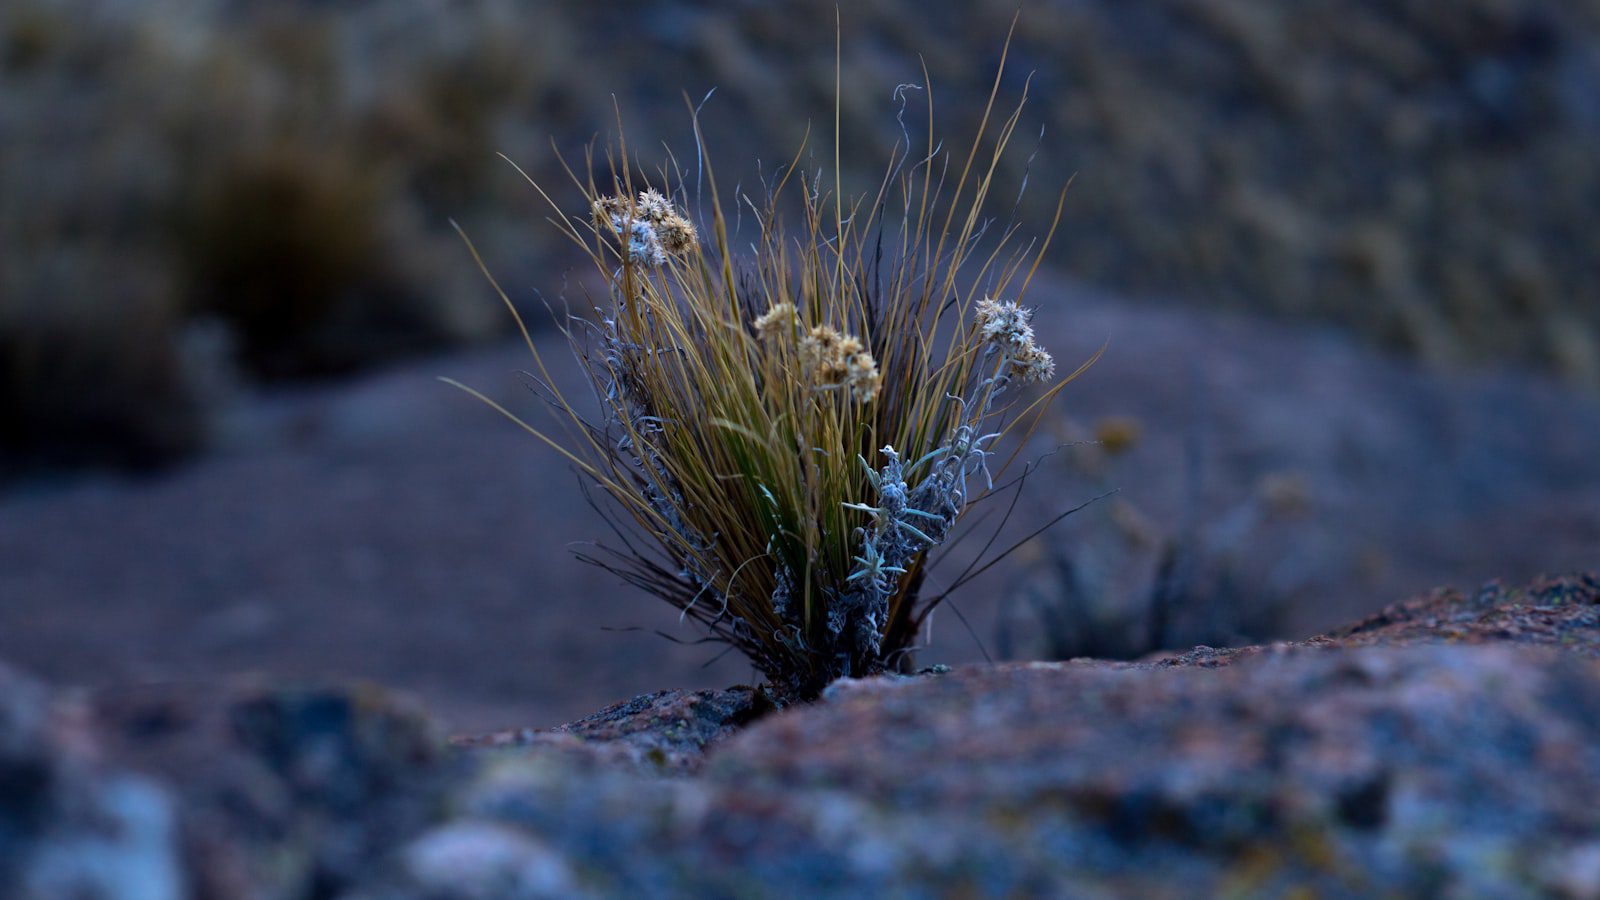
pixel 779 320
pixel 609 212
pixel 1005 325
pixel 644 245
pixel 677 235
pixel 832 359
pixel 1032 363
pixel 822 353
pixel 654 207
pixel 653 228
pixel 861 376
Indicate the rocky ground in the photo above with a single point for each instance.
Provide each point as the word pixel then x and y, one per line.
pixel 1448 746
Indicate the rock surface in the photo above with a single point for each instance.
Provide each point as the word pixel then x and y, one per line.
pixel 1560 612
pixel 663 732
pixel 285 791
pixel 1448 746
pixel 69 825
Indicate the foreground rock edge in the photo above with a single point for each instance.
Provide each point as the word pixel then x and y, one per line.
pixel 1445 744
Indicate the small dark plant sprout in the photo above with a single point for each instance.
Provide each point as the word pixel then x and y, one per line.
pixel 791 422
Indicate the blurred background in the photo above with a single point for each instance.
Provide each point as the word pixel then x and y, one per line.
pixel 1342 256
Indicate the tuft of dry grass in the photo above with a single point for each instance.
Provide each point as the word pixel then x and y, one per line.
pixel 785 432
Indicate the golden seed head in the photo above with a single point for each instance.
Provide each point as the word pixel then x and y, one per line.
pixel 832 359
pixel 677 235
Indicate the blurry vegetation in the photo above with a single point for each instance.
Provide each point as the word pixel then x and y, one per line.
pixel 1119 583
pixel 1424 174
pixel 1427 174
pixel 277 183
pixel 92 380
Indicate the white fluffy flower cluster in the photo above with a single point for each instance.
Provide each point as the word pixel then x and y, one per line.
pixel 779 321
pixel 653 229
pixel 1007 327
